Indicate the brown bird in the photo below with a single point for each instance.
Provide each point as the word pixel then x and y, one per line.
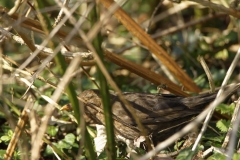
pixel 161 115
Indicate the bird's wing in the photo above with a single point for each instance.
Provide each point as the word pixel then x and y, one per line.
pixel 151 108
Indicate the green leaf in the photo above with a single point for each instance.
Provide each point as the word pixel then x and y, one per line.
pixel 140 151
pixel 17 155
pixel 215 139
pixel 236 156
pixel 187 153
pixel 62 144
pixel 68 142
pixel 2 152
pixel 5 138
pixel 222 54
pixel 218 74
pixel 201 80
pixel 226 109
pixel 217 156
pixel 70 138
pixel 52 130
pixel 102 156
pixel 223 125
pixel 176 146
pixel 225 39
pixel 48 150
pixel 10 133
pixel 92 132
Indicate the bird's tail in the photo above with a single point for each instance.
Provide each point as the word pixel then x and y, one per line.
pixel 204 99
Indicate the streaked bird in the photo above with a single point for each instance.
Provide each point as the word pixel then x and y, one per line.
pixel 162 115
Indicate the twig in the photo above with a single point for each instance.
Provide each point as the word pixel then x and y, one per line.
pixel 173 10
pixel 233 132
pixel 1 70
pixel 91 78
pixel 25 81
pixel 50 108
pixel 211 149
pixel 15 7
pixel 18 130
pixel 26 73
pixel 86 57
pixel 161 54
pixel 229 133
pixel 145 73
pixel 60 15
pixel 218 7
pixel 174 29
pixel 188 127
pixel 171 154
pixel 153 14
pixel 208 73
pixel 229 73
pixel 87 39
pixel 61 86
pixel 48 38
pixel 35 26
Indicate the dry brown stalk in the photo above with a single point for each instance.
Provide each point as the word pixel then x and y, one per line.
pixel 158 51
pixel 145 73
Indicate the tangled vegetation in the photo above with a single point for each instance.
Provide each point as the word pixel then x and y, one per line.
pixel 52 51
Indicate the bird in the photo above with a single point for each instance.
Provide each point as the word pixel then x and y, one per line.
pixel 162 115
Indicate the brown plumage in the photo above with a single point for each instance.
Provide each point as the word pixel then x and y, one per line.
pixel 161 115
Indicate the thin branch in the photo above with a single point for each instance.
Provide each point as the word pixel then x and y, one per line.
pixel 190 126
pixel 218 7
pixel 175 29
pixel 15 7
pixel 211 149
pixel 18 130
pixel 153 14
pixel 208 73
pixel 230 129
pixel 165 14
pixel 224 83
pixel 50 108
pixel 235 126
pixel 160 53
pixel 60 15
pixel 145 73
